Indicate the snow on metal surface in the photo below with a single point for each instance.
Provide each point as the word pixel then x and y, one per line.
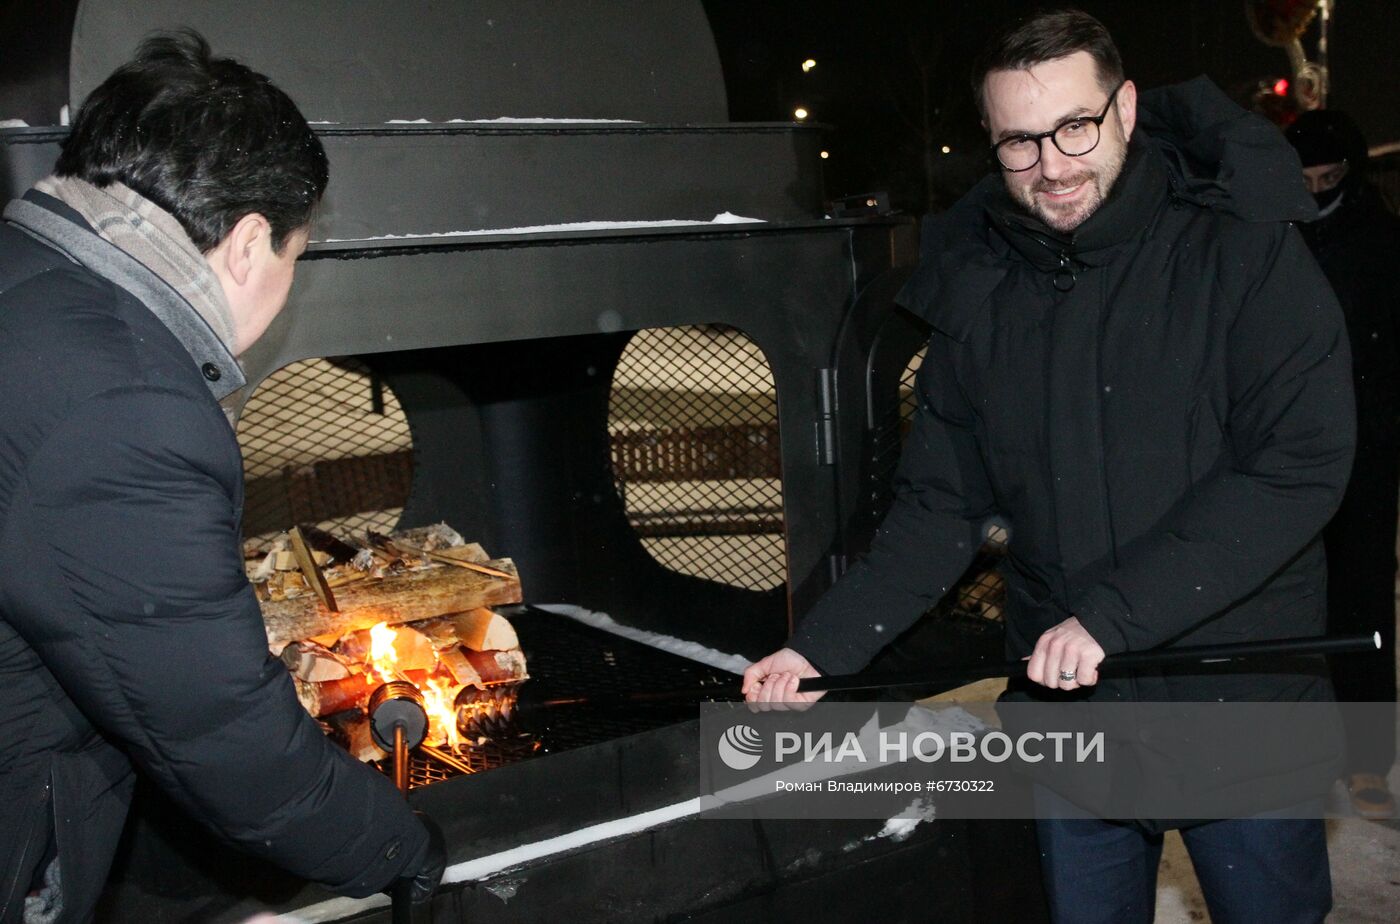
pixel 734 664
pixel 473 870
pixel 723 218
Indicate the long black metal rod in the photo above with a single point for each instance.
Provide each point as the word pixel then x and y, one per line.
pixel 1128 660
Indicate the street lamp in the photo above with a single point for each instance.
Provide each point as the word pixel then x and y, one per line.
pixel 799 113
pixel 808 65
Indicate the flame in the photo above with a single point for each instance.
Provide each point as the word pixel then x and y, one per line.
pixel 437 696
pixel 382 656
pixel 442 717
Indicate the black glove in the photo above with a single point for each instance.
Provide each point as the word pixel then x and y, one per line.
pixel 421 882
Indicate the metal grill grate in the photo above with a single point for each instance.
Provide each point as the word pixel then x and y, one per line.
pixel 325 442
pixel 488 755
pixel 569 659
pixel 694 427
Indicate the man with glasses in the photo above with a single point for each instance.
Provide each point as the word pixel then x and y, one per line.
pixel 1136 364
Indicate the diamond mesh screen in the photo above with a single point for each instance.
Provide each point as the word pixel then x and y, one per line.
pixel 693 422
pixel 908 398
pixel 324 442
pixel 981 592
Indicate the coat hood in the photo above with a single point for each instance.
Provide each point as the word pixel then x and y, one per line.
pixel 1221 156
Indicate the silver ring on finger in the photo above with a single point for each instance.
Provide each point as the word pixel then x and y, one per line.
pixel 1067 676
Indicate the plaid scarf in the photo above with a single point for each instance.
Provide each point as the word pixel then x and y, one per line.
pixel 149 234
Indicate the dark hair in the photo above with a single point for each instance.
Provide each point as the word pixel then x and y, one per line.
pixel 1045 37
pixel 205 138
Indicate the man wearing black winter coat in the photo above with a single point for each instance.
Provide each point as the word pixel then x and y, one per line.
pixel 129 281
pixel 1136 364
pixel 1357 243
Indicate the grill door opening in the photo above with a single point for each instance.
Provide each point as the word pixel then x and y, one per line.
pixel 324 441
pixel 693 425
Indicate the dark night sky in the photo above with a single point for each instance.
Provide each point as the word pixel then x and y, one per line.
pixel 869 70
pixel 867 85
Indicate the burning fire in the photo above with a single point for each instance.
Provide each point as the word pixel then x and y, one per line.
pixel 442 716
pixel 438 695
pixel 382 655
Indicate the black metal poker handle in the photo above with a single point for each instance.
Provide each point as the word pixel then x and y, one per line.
pixel 1128 660
pixel 1203 654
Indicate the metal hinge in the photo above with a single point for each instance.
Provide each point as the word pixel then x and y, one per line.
pixel 826 417
pixel 836 566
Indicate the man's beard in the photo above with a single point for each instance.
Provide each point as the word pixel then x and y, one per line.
pixel 1065 217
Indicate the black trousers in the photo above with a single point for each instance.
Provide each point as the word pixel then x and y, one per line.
pixel 1360 544
pixel 1252 869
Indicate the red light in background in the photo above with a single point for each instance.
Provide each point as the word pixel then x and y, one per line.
pixel 1281 87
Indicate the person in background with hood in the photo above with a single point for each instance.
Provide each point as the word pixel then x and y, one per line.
pixel 1357 243
pixel 160 250
pixel 1137 365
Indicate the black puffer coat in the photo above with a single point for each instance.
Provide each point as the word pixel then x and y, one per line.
pixel 1358 247
pixel 1166 430
pixel 128 631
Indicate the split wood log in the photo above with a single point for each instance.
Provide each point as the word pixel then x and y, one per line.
pixel 353 692
pixel 341 577
pixel 457 562
pixel 454 659
pixel 310 568
pixel 334 696
pixel 312 662
pixel 497 667
pixel 483 669
pixel 471 552
pixel 480 629
pixel 395 599
pixel 413 650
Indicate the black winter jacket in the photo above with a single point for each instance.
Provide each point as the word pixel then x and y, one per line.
pixel 128 631
pixel 1159 406
pixel 1358 247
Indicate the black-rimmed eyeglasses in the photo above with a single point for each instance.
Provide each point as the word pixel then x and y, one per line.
pixel 1073 137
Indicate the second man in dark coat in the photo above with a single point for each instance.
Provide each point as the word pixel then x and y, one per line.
pixel 1137 365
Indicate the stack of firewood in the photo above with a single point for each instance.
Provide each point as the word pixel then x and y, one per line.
pixel 425 592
